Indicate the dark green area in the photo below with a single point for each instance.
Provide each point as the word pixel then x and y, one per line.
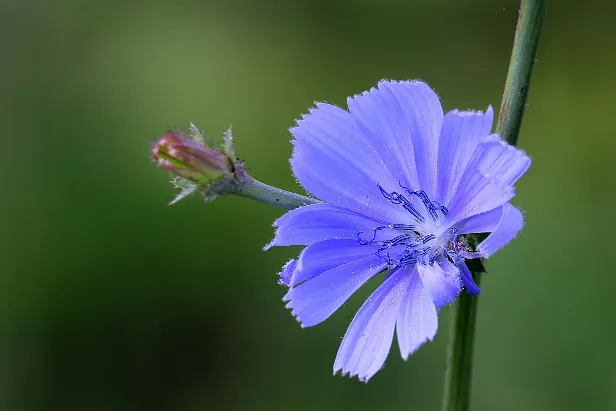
pixel 110 300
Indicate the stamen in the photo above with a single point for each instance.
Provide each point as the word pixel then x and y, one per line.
pixel 397 198
pixel 408 227
pixel 374 231
pixel 433 258
pixel 399 239
pixel 427 238
pixel 364 242
pixel 431 206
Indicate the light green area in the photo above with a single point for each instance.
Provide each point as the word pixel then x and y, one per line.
pixel 111 300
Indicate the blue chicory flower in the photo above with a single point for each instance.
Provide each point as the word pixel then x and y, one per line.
pixel 401 184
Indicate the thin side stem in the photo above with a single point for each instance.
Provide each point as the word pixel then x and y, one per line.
pixel 456 396
pixel 256 190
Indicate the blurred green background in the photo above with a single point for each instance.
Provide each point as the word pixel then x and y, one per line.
pixel 111 300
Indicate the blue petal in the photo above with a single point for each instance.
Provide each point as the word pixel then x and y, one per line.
pixel 317 222
pixel 479 194
pixel 315 300
pixel 460 135
pixel 442 282
pixel 402 121
pixel 488 180
pixel 508 227
pixel 334 162
pixel 367 342
pixel 500 161
pixel 467 280
pixel 481 223
pixel 320 257
pixel 417 318
pixel 287 273
pixel 424 115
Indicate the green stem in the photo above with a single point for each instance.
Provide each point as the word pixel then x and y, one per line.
pixel 460 355
pixel 256 190
pixel 458 375
pixel 520 69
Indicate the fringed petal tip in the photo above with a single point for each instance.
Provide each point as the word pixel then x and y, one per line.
pixel 415 82
pixel 384 83
pixel 289 302
pixel 276 225
pixel 405 356
pixel 270 244
pixel 319 107
pixel 472 113
pixel 275 240
pixel 286 275
pixel 295 312
pixel 360 378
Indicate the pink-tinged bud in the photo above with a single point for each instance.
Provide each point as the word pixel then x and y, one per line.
pixel 192 160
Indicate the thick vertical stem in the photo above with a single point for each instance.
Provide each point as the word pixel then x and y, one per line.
pixel 520 69
pixel 456 396
pixel 460 356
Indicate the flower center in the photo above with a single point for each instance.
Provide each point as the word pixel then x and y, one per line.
pixel 421 239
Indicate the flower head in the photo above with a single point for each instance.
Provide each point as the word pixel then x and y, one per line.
pixel 402 185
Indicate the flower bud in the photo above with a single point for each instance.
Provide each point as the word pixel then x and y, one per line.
pixel 191 160
pixel 197 167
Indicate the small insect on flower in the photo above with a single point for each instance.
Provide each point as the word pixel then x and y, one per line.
pixel 401 185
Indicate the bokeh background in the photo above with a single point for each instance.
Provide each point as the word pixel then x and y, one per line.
pixel 111 300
